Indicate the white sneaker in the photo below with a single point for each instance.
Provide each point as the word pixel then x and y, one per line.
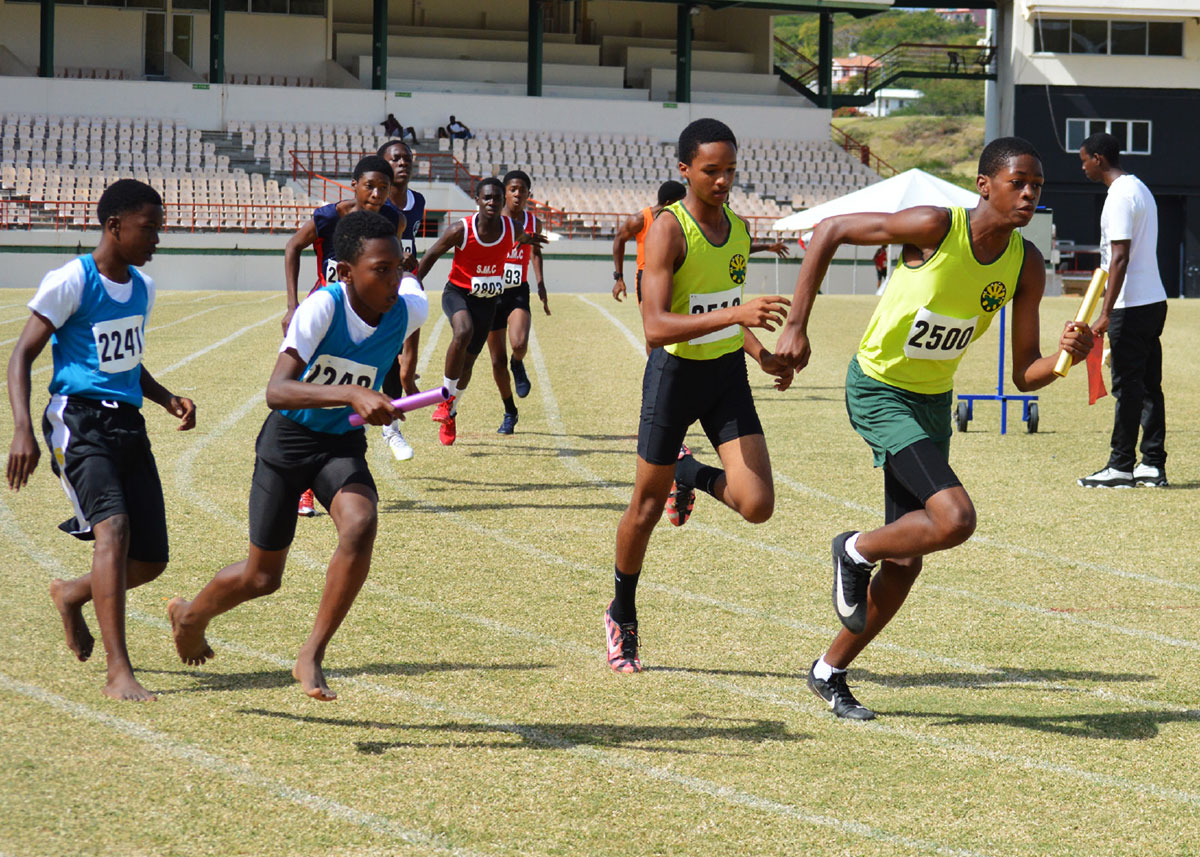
pixel 1108 478
pixel 1151 477
pixel 395 440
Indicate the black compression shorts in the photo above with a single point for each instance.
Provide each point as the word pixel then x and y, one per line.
pixel 291 458
pixel 513 299
pixel 482 310
pixel 677 392
pixel 912 475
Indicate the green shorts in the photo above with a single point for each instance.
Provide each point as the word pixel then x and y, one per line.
pixel 889 418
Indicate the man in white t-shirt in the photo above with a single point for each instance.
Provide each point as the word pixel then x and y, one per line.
pixel 1134 310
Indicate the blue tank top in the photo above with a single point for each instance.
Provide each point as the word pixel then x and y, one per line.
pixel 326 220
pixel 98 350
pixel 339 360
pixel 414 217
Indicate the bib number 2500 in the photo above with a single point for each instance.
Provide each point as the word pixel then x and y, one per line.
pixel 938 337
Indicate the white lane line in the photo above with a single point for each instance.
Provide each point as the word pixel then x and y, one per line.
pixel 797 485
pixel 1026 762
pixel 784 479
pixel 164 744
pixel 158 373
pixel 431 339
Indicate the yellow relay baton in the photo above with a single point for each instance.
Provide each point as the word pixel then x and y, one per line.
pixel 1090 298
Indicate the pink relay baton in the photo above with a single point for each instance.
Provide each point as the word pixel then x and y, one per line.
pixel 412 403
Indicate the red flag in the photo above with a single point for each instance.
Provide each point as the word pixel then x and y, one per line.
pixel 1096 390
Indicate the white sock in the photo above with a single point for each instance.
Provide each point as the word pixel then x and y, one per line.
pixel 458 397
pixel 854 554
pixel 822 671
pixel 451 384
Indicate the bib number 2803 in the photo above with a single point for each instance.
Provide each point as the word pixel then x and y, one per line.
pixel 938 337
pixel 487 287
pixel 118 343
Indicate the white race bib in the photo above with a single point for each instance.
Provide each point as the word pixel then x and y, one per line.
pixel 514 274
pixel 408 245
pixel 331 274
pixel 119 343
pixel 713 301
pixel 938 337
pixel 331 369
pixel 487 287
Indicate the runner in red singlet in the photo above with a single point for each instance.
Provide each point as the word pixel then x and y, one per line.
pixel 481 246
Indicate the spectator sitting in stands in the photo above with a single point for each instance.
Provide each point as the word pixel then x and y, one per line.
pixel 457 130
pixel 393 128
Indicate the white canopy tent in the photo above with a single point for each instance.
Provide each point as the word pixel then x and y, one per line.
pixel 909 188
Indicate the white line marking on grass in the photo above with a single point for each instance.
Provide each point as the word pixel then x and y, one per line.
pixel 381 824
pixel 796 485
pixel 186 360
pixel 430 342
pixel 186 318
pixel 165 744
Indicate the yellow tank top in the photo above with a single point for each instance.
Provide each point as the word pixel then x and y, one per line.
pixel 930 313
pixel 711 277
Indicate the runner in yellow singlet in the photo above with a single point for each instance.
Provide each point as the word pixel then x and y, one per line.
pixel 959 268
pixel 695 322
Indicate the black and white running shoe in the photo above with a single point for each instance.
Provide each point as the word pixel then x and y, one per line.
pixel 850 581
pixel 837 696
pixel 1108 478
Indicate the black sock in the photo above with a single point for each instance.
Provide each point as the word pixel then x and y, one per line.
pixel 689 471
pixel 624 607
pixel 509 406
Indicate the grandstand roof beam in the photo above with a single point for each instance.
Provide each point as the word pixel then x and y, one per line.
pixel 533 79
pixel 46 49
pixel 825 60
pixel 216 42
pixel 379 24
pixel 683 52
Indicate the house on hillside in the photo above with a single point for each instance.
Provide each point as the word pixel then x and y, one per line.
pixel 845 68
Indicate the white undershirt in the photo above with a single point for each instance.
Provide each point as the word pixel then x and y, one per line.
pixel 61 292
pixel 312 318
pixel 1130 214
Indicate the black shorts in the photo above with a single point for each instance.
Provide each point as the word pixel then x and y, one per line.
pixel 638 287
pixel 483 310
pixel 290 459
pixel 102 456
pixel 512 299
pixel 677 392
pixel 912 475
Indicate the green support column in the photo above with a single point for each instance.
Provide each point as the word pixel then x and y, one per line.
pixel 683 52
pixel 533 79
pixel 825 60
pixel 216 42
pixel 379 45
pixel 46 54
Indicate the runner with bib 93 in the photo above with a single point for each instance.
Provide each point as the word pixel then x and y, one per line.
pixel 958 269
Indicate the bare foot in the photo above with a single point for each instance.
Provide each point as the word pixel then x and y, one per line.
pixel 308 672
pixel 79 638
pixel 126 688
pixel 190 643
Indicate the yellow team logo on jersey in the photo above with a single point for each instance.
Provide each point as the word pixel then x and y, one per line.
pixel 737 269
pixel 992 296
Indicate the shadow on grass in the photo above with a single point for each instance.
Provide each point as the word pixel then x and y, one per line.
pixel 1117 726
pixel 408 506
pixel 273 679
pixel 555 736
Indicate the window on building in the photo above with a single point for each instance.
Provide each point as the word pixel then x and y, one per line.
pixel 1112 38
pixel 275 7
pixel 1133 135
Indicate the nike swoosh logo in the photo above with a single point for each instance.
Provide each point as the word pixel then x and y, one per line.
pixel 843 608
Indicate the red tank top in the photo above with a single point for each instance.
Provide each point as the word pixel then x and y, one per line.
pixel 479 268
pixel 516 266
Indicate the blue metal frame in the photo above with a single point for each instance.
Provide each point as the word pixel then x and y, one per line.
pixel 999 396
